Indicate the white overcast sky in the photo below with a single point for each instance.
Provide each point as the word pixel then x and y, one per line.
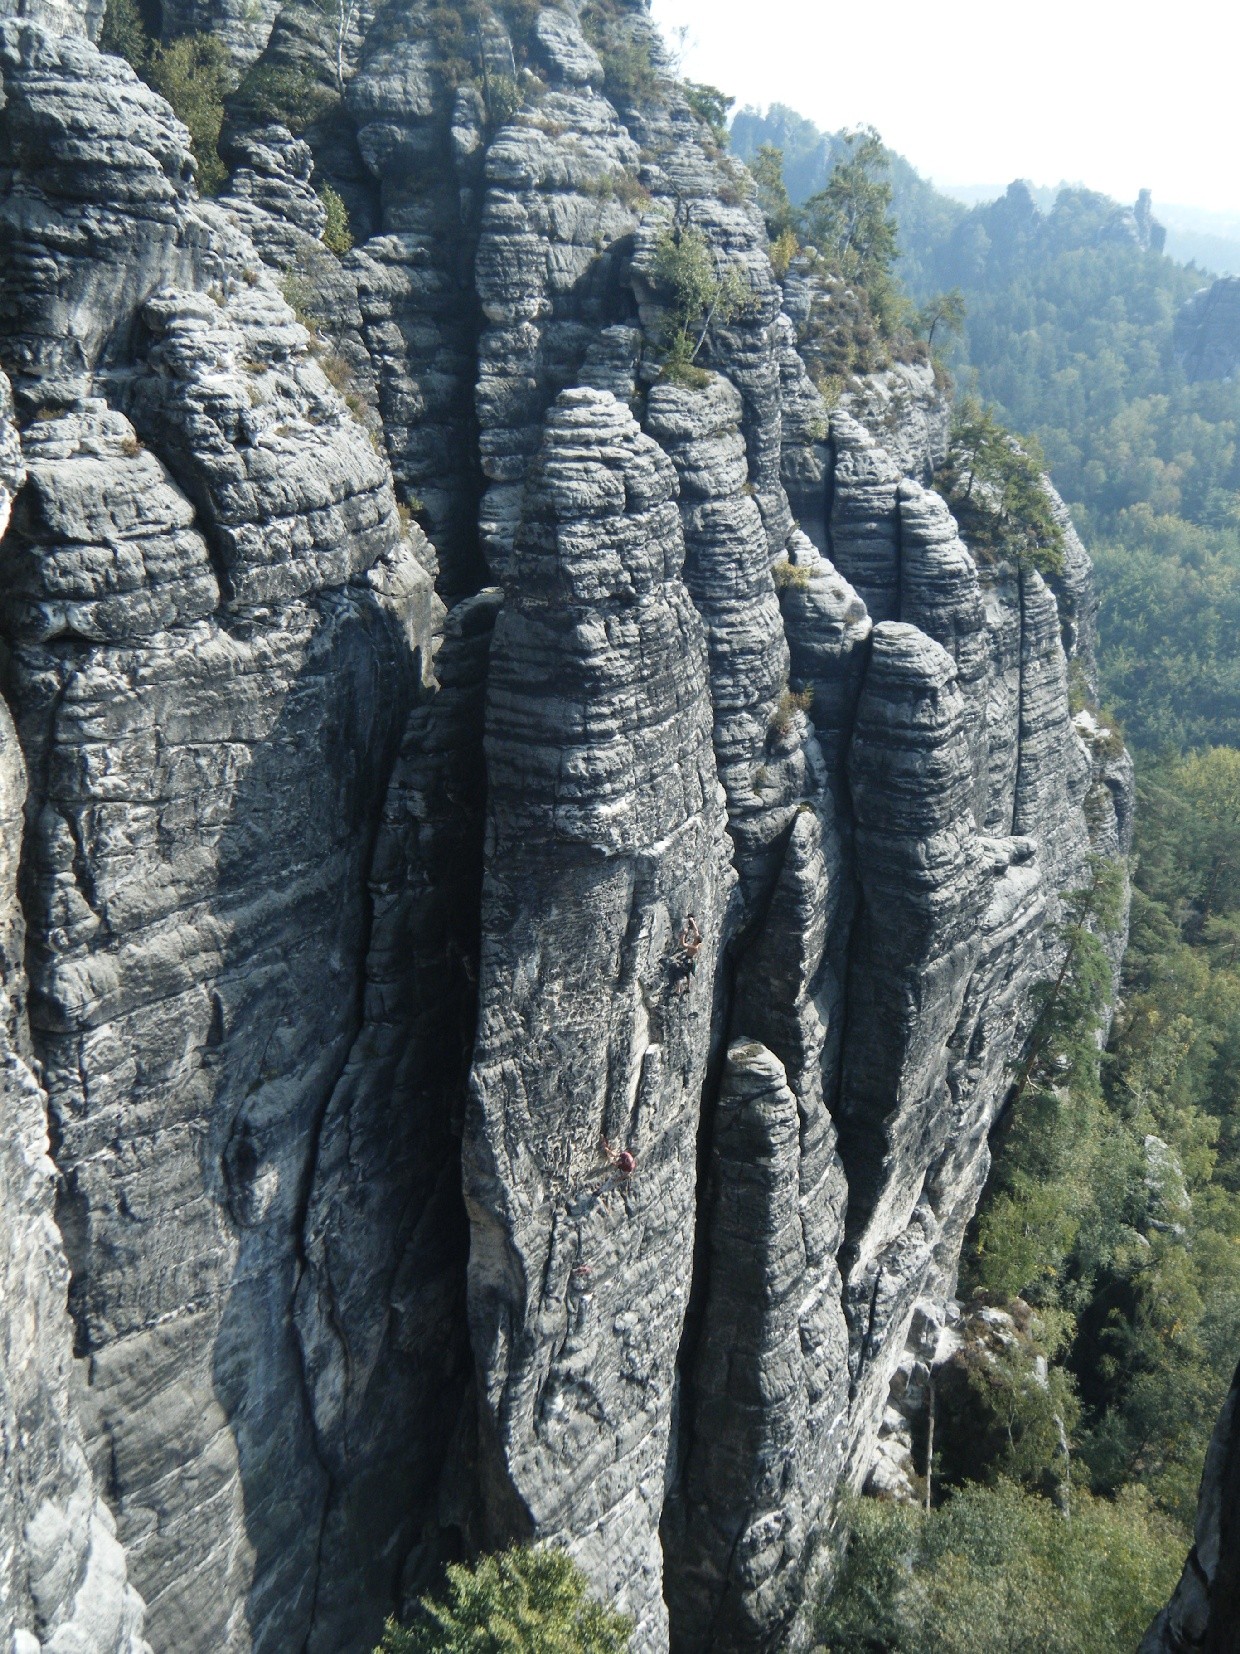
pixel 1116 96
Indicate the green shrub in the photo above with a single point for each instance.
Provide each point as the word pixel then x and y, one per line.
pixel 629 73
pixel 518 1602
pixel 711 105
pixel 337 233
pixel 784 249
pixel 502 98
pixel 194 73
pixel 288 96
pixel 1001 1410
pixel 850 225
pixel 841 338
pixel 124 34
pixel 454 28
pixel 997 1570
pixel 944 310
pixel 1056 1154
pixel 697 295
pixel 299 295
pixel 791 701
pixel 993 482
pixel 767 167
pixel 796 576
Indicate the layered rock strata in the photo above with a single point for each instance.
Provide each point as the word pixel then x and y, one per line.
pixel 606 832
pixel 518 1062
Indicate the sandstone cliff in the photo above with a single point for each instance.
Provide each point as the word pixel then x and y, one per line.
pixel 532 871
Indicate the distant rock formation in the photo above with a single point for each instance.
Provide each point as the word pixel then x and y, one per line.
pixel 1207 331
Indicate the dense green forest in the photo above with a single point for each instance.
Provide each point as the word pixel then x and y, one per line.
pixel 1109 1234
pixel 1068 334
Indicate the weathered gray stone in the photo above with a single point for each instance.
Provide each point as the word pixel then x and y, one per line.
pixel 103 546
pixel 769 1370
pixel 381 1305
pixel 743 666
pixel 908 412
pixel 864 523
pixel 759 735
pixel 423 145
pixel 63 1582
pixel 546 277
pixel 271 194
pixel 605 832
pixel 100 216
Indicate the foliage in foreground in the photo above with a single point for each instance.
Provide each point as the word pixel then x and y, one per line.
pixel 517 1602
pixel 997 1570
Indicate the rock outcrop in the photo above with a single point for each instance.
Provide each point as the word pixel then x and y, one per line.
pixel 63 1583
pixel 515 1016
pixel 605 834
pixel 1207 331
pixel 1203 1614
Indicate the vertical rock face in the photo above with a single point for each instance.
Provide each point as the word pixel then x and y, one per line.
pixel 63 1578
pixel 63 1582
pixel 216 622
pixel 421 146
pixel 555 208
pixel 605 833
pixel 517 1069
pixel 770 1367
pixel 864 524
pixel 916 931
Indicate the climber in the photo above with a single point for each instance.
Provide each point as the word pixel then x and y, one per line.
pixel 683 962
pixel 624 1160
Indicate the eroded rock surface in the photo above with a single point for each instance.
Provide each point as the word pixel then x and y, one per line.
pixel 517 1014
pixel 63 1578
pixel 605 833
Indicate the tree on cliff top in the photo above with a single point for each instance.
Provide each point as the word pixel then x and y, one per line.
pixel 851 224
pixel 993 482
pixel 850 221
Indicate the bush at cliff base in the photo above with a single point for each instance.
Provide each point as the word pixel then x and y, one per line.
pixel 518 1602
pixel 997 1570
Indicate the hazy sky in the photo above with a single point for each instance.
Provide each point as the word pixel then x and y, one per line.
pixel 1119 97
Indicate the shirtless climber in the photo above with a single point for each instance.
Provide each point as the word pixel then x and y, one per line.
pixel 684 960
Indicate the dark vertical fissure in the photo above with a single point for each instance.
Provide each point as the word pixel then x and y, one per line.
pixel 1020 696
pixel 306 1193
